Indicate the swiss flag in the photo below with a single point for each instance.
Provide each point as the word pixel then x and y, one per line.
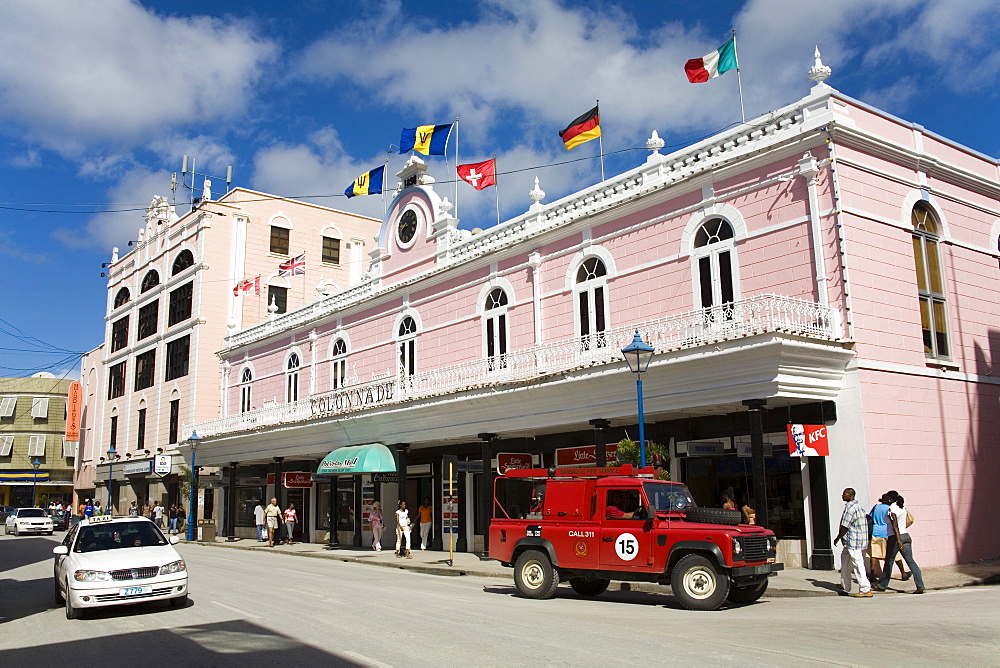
pixel 479 175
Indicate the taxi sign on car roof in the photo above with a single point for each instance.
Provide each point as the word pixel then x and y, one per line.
pixel 94 519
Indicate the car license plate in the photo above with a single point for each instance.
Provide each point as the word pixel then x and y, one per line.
pixel 761 569
pixel 135 591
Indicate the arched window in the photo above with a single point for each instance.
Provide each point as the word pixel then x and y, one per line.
pixel 339 370
pixel 592 303
pixel 246 396
pixel 930 281
pixel 183 261
pixel 150 281
pixel 292 374
pixel 713 254
pixel 495 329
pixel 122 297
pixel 407 347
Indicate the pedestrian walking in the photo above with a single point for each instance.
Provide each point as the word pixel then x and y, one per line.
pixel 375 519
pixel 272 514
pixel 899 541
pixel 181 516
pixel 426 511
pixel 403 530
pixel 133 510
pixel 172 518
pixel 854 534
pixel 290 524
pixel 158 514
pixel 258 518
pixel 880 533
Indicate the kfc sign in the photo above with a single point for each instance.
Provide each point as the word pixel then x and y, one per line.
pixel 808 440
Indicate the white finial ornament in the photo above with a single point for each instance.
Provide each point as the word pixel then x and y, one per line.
pixel 206 191
pixel 536 194
pixel 654 143
pixel 445 206
pixel 819 72
pixel 272 308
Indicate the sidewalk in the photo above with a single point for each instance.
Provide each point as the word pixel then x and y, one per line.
pixel 791 582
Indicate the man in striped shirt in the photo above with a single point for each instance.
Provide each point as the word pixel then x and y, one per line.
pixel 854 537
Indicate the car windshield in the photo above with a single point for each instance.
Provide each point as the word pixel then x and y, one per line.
pixel 31 512
pixel 668 496
pixel 111 536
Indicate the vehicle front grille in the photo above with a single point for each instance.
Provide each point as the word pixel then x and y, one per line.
pixel 754 548
pixel 162 591
pixel 135 573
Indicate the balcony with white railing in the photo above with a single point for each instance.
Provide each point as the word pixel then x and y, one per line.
pixel 747 317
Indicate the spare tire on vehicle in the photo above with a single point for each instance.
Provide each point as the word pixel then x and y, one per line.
pixel 714 516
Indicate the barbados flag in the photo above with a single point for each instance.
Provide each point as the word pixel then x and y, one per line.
pixel 426 139
pixel 369 183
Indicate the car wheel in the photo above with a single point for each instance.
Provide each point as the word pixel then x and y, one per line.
pixel 534 576
pixel 16 532
pixel 748 594
pixel 58 592
pixel 697 584
pixel 586 587
pixel 179 602
pixel 71 612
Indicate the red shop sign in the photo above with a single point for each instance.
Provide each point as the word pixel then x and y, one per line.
pixel 808 440
pixel 584 455
pixel 513 460
pixel 293 479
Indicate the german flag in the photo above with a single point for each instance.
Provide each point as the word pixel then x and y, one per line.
pixel 582 129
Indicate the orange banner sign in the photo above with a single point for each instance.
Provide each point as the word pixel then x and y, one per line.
pixel 74 407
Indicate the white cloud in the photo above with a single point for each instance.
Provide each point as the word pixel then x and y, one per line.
pixel 9 248
pixel 132 192
pixel 75 73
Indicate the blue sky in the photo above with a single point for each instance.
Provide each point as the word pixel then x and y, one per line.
pixel 99 99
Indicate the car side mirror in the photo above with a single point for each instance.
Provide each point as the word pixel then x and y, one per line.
pixel 60 550
pixel 174 540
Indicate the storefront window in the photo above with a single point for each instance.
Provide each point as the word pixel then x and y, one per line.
pixel 247 499
pixel 323 506
pixel 345 504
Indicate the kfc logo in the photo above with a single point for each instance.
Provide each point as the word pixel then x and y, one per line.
pixel 808 440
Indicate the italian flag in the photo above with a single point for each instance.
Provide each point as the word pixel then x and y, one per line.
pixel 723 59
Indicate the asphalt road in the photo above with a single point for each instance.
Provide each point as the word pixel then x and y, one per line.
pixel 258 609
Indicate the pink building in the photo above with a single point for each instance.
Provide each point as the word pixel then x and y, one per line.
pixel 171 301
pixel 826 264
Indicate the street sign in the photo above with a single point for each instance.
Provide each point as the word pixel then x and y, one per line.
pixel 161 467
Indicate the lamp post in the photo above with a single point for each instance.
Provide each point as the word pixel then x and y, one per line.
pixel 638 354
pixel 112 455
pixel 34 480
pixel 193 441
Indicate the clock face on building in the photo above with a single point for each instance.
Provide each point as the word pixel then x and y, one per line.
pixel 407 227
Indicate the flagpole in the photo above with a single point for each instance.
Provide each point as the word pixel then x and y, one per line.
pixel 456 166
pixel 496 185
pixel 600 143
pixel 304 267
pixel 385 205
pixel 739 79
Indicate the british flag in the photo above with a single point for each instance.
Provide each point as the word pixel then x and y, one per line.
pixel 293 267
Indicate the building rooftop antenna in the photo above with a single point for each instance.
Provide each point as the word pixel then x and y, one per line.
pixel 193 201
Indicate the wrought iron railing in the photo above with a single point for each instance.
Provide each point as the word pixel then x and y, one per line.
pixel 746 317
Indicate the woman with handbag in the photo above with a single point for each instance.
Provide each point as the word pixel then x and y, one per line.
pixel 899 540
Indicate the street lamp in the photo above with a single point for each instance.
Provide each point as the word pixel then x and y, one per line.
pixel 193 441
pixel 638 354
pixel 112 455
pixel 34 480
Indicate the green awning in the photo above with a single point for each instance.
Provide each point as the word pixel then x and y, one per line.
pixel 371 458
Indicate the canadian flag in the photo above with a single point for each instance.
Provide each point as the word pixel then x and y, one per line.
pixel 247 286
pixel 479 175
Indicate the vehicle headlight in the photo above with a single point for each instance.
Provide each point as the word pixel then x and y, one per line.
pixel 173 567
pixel 91 576
pixel 737 546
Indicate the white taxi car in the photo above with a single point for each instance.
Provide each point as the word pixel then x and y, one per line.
pixel 28 520
pixel 108 560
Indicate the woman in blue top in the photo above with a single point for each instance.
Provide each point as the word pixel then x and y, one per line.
pixel 880 531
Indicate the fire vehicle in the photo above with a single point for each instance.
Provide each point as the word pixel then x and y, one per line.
pixel 591 526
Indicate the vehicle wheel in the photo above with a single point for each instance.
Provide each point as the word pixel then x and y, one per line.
pixel 697 584
pixel 714 516
pixel 586 587
pixel 179 602
pixel 71 612
pixel 534 576
pixel 748 594
pixel 58 592
pixel 16 532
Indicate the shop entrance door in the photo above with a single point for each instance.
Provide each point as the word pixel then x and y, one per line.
pixel 298 497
